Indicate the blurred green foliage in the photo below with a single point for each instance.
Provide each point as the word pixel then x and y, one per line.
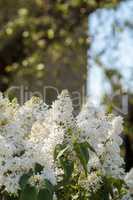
pixel 45 42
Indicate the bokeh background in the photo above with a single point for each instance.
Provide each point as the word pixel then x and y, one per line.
pixel 85 46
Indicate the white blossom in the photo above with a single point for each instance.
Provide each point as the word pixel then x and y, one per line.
pixel 30 133
pixel 103 133
pixel 129 180
pixel 92 182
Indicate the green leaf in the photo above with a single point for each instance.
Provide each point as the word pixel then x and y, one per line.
pixel 82 152
pixel 68 167
pixel 47 185
pixel 61 153
pixel 24 179
pixel 28 193
pixel 44 194
pixel 57 150
pixel 90 147
pixel 100 195
pixel 117 183
pixel 8 197
pixel 103 193
pixel 38 168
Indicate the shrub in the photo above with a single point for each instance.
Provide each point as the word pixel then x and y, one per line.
pixel 46 153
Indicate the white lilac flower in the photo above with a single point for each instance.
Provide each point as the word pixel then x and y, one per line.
pixel 102 132
pixel 25 139
pixel 30 133
pixel 36 180
pixel 92 182
pixel 54 197
pixel 127 197
pixel 11 183
pixel 62 109
pixel 129 180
